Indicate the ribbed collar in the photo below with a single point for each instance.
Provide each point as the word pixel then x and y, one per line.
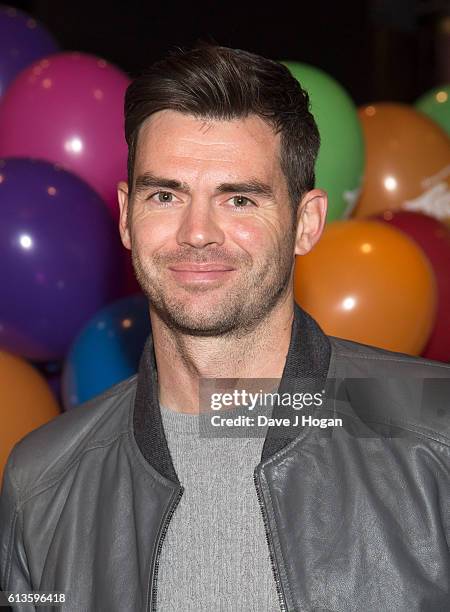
pixel 306 368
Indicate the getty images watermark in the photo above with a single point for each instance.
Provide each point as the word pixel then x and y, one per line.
pixel 234 407
pixel 384 407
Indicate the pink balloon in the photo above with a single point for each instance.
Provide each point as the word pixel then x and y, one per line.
pixel 67 108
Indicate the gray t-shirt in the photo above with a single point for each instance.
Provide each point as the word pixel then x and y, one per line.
pixel 215 555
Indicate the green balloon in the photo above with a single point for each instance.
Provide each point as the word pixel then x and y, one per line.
pixel 340 163
pixel 436 104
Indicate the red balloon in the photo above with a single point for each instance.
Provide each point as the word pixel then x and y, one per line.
pixel 434 239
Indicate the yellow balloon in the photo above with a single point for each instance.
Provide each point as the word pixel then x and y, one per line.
pixel 370 283
pixel 408 163
pixel 26 402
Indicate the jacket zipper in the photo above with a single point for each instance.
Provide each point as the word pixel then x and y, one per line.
pixel 278 585
pixel 162 534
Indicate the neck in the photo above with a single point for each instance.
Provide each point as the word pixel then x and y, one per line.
pixel 182 360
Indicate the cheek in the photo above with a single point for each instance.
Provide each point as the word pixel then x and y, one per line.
pixel 253 236
pixel 151 234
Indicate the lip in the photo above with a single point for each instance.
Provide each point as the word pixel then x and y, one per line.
pixel 201 268
pixel 203 273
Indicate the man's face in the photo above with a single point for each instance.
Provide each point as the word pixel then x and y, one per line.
pixel 212 231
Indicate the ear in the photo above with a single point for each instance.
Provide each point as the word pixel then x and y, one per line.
pixel 311 217
pixel 122 195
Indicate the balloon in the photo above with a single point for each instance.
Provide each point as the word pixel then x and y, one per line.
pixel 26 402
pixel 68 108
pixel 22 41
pixel 60 258
pixel 369 283
pixel 434 239
pixel 51 371
pixel 408 162
pixel 340 164
pixel 436 105
pixel 107 350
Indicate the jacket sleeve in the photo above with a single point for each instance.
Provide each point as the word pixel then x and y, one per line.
pixel 14 574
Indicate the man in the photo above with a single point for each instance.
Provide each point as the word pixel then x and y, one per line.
pixel 121 504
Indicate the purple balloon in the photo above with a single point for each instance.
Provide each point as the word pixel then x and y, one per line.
pixel 68 109
pixel 22 41
pixel 60 258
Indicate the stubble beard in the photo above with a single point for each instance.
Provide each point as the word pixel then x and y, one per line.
pixel 242 305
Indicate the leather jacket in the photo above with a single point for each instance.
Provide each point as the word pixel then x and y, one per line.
pixel 356 517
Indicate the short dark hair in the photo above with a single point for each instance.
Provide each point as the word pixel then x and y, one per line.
pixel 219 83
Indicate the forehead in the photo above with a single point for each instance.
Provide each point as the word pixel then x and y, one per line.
pixel 169 138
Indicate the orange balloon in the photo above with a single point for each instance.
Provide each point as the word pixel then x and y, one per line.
pixel 407 162
pixel 369 283
pixel 26 402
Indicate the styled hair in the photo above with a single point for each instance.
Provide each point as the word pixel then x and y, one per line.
pixel 219 83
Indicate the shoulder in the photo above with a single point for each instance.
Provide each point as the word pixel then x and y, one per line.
pixel 354 358
pixel 45 452
pixel 395 391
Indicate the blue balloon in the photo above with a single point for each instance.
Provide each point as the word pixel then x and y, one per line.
pixel 22 41
pixel 107 350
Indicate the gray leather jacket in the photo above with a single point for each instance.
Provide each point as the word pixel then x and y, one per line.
pixel 357 517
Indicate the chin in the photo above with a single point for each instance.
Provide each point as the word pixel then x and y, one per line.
pixel 203 320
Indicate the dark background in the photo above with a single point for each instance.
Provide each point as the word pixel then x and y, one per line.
pixel 378 49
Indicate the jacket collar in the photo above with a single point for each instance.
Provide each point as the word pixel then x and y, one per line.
pixel 306 366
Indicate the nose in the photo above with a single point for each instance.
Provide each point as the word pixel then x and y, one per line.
pixel 199 226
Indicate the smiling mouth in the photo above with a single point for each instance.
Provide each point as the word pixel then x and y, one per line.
pixel 200 272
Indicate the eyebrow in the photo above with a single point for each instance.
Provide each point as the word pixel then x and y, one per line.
pixel 251 187
pixel 149 180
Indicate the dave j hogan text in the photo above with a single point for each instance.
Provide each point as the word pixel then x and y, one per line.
pixel 263 421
